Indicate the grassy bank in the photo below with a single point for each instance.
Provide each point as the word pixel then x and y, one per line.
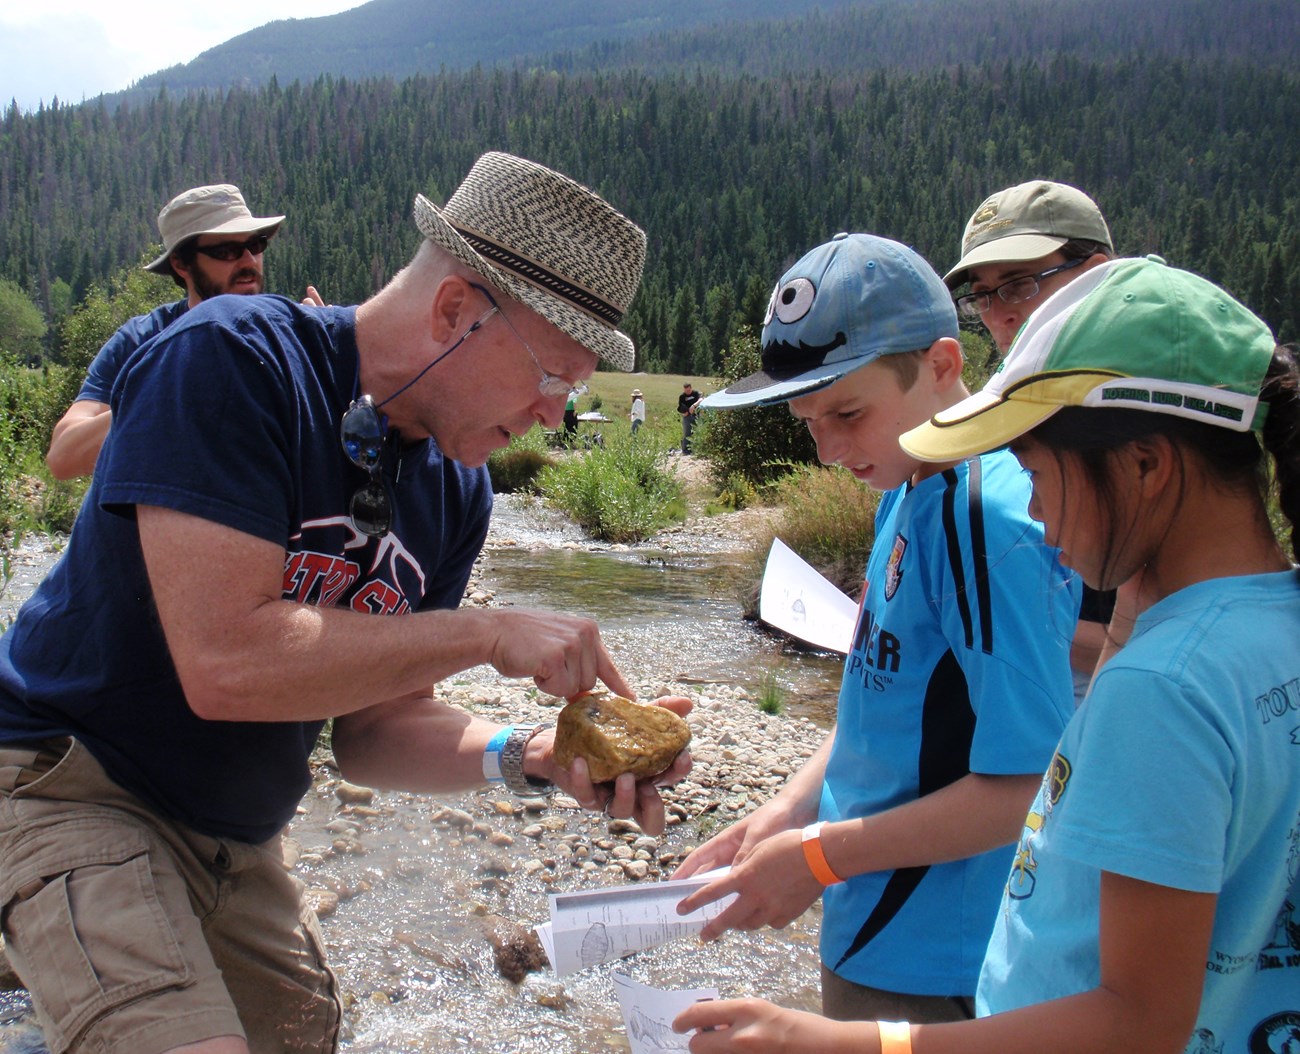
pixel 614 393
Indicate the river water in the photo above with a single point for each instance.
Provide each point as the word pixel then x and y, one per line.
pixel 410 950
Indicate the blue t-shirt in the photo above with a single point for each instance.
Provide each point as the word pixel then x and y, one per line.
pixel 960 664
pixel 109 360
pixel 1182 768
pixel 232 414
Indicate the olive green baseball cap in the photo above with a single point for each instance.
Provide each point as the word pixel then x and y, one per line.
pixel 1134 334
pixel 1027 222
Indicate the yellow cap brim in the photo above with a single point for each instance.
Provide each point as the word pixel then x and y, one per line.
pixel 988 420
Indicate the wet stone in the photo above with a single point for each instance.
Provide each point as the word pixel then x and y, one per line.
pixel 351 794
pixel 616 735
pixel 322 901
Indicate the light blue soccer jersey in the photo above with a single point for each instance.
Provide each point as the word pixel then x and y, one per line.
pixel 1182 768
pixel 960 664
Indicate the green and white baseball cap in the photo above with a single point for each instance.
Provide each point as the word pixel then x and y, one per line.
pixel 1133 334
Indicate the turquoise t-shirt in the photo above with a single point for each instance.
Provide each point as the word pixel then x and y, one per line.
pixel 1182 768
pixel 959 664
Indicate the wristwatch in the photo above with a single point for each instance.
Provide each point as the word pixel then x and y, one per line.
pixel 512 763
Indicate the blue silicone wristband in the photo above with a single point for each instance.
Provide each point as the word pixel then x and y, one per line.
pixel 492 755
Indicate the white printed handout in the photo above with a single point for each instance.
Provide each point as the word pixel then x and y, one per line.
pixel 600 925
pixel 648 1014
pixel 797 600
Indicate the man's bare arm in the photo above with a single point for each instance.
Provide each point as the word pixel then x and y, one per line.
pixel 243 653
pixel 76 439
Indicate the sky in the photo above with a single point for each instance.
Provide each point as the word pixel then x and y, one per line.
pixel 77 49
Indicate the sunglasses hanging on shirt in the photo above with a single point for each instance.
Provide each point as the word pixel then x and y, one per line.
pixel 364 435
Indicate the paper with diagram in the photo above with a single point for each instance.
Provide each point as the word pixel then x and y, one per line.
pixel 648 1013
pixel 595 926
pixel 798 600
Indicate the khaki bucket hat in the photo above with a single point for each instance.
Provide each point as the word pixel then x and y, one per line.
pixel 549 243
pixel 216 209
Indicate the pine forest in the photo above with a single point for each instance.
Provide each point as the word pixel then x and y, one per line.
pixel 731 174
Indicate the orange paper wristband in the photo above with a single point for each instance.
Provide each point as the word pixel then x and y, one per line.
pixel 895 1037
pixel 816 856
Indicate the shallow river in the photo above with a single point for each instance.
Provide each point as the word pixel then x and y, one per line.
pixel 410 950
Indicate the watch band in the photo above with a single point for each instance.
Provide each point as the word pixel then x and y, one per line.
pixel 511 762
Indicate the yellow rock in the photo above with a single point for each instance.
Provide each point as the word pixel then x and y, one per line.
pixel 616 735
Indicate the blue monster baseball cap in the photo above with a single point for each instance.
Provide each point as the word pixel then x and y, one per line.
pixel 841 307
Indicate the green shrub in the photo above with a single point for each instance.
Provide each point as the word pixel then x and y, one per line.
pixel 26 402
pixel 516 467
pixel 58 503
pixel 981 356
pixel 759 443
pixel 771 693
pixel 619 492
pixel 8 465
pixel 737 492
pixel 830 521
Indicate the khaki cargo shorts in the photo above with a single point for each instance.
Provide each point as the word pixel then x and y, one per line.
pixel 134 934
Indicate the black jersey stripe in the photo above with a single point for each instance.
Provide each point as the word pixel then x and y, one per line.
pixel 979 553
pixel 954 554
pixel 901 885
pixel 947 731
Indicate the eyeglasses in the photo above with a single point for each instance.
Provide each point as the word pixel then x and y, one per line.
pixel 550 385
pixel 1016 291
pixel 228 251
pixel 362 434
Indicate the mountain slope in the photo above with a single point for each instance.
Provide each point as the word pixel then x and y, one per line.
pixel 401 38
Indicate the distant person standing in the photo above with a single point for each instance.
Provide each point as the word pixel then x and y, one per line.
pixel 687 406
pixel 571 413
pixel 212 244
pixel 637 413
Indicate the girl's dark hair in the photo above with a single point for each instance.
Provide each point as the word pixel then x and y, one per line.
pixel 1281 432
pixel 1235 458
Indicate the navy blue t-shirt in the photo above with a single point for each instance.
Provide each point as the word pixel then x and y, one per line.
pixel 232 414
pixel 109 360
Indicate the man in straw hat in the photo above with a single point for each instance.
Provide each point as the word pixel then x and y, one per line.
pixel 212 244
pixel 278 479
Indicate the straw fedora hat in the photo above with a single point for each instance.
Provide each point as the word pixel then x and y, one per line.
pixel 548 242
pixel 216 209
